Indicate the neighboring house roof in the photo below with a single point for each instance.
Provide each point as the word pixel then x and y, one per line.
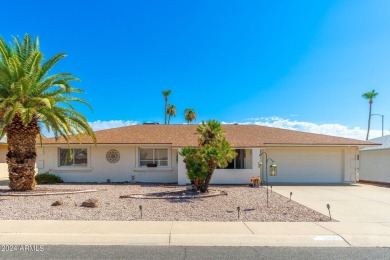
pixel 384 141
pixel 184 135
pixel 38 140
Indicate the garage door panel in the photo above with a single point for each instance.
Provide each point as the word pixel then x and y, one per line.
pixel 308 166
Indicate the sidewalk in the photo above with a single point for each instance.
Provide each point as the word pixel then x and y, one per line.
pixel 322 234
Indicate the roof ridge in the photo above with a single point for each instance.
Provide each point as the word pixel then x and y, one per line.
pixel 239 135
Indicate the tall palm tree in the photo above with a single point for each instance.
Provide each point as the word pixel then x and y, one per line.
pixel 166 94
pixel 171 111
pixel 370 96
pixel 29 99
pixel 189 115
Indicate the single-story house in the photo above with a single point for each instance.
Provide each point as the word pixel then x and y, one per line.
pixel 375 161
pixel 150 153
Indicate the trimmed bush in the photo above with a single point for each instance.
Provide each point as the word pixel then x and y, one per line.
pixel 47 178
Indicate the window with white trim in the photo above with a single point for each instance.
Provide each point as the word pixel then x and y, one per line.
pixel 75 157
pixel 153 157
pixel 243 160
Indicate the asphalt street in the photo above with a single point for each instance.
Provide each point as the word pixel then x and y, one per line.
pixel 172 252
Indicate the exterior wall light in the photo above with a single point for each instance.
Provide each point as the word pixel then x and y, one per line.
pixel 273 170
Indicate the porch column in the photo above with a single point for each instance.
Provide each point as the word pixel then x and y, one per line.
pixel 182 178
pixel 255 162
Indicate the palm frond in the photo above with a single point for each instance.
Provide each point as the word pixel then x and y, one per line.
pixel 49 64
pixel 27 91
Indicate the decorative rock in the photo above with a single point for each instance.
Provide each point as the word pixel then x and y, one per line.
pixel 57 203
pixel 190 187
pixel 90 203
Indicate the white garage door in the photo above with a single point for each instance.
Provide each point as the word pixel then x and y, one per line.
pixel 307 165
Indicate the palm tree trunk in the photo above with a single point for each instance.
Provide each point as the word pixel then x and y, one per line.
pixel 165 111
pixel 369 120
pixel 206 184
pixel 21 156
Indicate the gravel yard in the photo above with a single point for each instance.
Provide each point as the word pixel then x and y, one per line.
pixel 252 202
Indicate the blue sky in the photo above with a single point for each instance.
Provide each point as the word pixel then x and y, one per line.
pixel 294 64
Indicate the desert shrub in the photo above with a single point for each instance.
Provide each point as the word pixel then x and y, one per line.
pixel 47 178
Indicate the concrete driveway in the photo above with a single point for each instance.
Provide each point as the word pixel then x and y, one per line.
pixel 351 203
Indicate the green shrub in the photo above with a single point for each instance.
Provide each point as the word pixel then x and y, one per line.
pixel 48 178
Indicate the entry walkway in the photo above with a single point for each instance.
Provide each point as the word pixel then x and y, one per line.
pixel 363 212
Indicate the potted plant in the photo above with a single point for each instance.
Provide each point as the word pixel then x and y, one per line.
pixel 255 181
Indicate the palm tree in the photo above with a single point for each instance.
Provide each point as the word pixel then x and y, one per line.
pixel 171 111
pixel 209 132
pixel 29 99
pixel 370 96
pixel 214 151
pixel 166 94
pixel 189 115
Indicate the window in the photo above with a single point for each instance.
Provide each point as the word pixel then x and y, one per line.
pixel 77 157
pixel 243 160
pixel 157 157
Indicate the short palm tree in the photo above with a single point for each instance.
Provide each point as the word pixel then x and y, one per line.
pixel 171 111
pixel 370 96
pixel 29 99
pixel 166 94
pixel 189 115
pixel 209 132
pixel 213 152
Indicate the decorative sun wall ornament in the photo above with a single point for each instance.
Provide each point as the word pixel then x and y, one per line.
pixel 113 156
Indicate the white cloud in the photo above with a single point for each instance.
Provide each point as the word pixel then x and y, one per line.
pixel 327 129
pixel 100 125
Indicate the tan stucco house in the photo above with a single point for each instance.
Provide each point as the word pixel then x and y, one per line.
pixel 149 153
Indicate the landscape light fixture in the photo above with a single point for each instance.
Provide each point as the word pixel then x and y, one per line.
pixel 328 206
pixel 273 170
pixel 140 208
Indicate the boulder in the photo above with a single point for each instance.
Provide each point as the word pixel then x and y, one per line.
pixel 90 203
pixel 57 203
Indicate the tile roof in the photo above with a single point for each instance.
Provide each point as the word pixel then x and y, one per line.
pixel 384 141
pixel 184 135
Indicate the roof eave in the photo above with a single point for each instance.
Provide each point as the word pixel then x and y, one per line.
pixel 105 144
pixel 318 145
